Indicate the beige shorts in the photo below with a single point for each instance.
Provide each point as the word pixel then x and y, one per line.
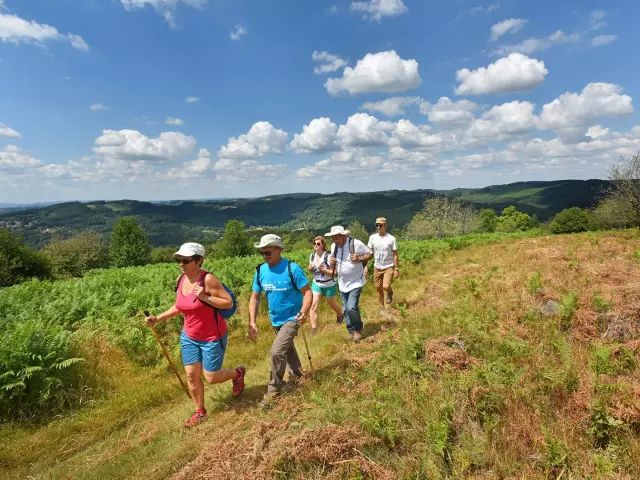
pixel 382 277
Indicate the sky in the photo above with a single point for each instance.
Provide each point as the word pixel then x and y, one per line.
pixel 187 99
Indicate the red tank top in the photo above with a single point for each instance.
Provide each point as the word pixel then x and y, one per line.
pixel 199 319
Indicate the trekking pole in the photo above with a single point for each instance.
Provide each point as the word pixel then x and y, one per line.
pixel 304 337
pixel 166 354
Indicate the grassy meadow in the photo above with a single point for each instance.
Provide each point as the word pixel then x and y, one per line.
pixel 462 378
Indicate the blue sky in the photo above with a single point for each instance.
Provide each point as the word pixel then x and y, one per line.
pixel 168 99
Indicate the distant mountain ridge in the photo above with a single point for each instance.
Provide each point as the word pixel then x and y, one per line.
pixel 173 222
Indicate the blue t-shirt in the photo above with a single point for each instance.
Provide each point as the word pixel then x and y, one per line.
pixel 285 301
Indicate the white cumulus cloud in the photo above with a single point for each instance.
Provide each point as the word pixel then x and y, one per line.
pixel 503 121
pixel 318 136
pixel 574 112
pixel 131 145
pixel 533 44
pixel 377 72
pixel 364 130
pixel 6 132
pixel 262 139
pixel 505 27
pixel 328 62
pixel 603 40
pixel 192 99
pixel 515 73
pixel 174 121
pixel 14 158
pixel 391 107
pixel 196 168
pixel 96 107
pixel 447 113
pixel 407 135
pixel 238 32
pixel 375 10
pixel 166 8
pixel 16 30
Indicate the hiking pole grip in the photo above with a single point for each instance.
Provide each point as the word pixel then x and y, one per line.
pixel 166 354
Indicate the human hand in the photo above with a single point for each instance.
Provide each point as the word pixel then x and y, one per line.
pixel 396 273
pixel 253 332
pixel 200 293
pixel 353 257
pixel 301 318
pixel 151 320
pixel 332 260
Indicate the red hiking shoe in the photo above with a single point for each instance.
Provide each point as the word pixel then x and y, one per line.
pixel 196 418
pixel 238 383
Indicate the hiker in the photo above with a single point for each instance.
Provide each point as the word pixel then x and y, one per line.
pixel 323 284
pixel 348 258
pixel 199 297
pixel 385 265
pixel 289 298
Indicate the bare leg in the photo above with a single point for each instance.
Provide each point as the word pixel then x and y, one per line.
pixel 380 290
pixel 333 303
pixel 220 376
pixel 314 309
pixel 196 387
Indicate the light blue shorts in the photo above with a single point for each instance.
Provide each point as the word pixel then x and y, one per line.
pixel 210 354
pixel 328 292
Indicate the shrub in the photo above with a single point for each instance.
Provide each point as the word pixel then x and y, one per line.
pixel 612 213
pixel 570 220
pixel 442 217
pixel 164 254
pixel 358 231
pixel 235 241
pixel 511 220
pixel 488 220
pixel 76 255
pixel 129 244
pixel 19 262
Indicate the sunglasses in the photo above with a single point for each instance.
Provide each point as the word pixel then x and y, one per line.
pixel 266 253
pixel 318 244
pixel 184 261
pixel 379 225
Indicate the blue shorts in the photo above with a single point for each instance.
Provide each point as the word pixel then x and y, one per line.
pixel 328 292
pixel 210 354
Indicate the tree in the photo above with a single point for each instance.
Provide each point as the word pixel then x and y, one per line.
pixel 19 262
pixel 235 241
pixel 442 217
pixel 570 220
pixel 358 231
pixel 488 220
pixel 129 244
pixel 511 220
pixel 164 254
pixel 74 256
pixel 612 213
pixel 625 179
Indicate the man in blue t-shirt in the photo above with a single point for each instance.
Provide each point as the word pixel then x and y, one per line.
pixel 289 297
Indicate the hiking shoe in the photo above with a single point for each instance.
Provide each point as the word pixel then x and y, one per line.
pixel 269 400
pixel 196 418
pixel 340 318
pixel 357 336
pixel 238 383
pixel 389 297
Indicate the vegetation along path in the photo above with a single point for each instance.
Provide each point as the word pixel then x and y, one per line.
pixel 512 358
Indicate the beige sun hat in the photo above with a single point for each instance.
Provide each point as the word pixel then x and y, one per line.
pixel 337 230
pixel 270 240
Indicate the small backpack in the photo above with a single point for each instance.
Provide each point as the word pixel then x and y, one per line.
pixel 293 280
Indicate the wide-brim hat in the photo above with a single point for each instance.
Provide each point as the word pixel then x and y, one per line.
pixel 337 230
pixel 270 240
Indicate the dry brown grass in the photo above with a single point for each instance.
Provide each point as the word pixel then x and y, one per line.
pixel 448 353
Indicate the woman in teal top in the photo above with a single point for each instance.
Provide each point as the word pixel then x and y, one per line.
pixel 323 284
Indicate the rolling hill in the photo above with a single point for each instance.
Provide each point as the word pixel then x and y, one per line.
pixel 175 221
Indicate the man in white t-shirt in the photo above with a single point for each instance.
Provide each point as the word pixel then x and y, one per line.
pixel 347 257
pixel 385 253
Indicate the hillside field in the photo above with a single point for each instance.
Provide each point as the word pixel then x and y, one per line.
pixel 465 377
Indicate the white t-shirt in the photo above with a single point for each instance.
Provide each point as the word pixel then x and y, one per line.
pixel 350 274
pixel 383 248
pixel 321 279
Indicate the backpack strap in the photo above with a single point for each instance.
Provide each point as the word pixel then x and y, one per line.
pixel 178 281
pixel 293 280
pixel 352 245
pixel 216 310
pixel 258 267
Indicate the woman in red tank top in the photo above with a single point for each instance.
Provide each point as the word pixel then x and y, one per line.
pixel 199 295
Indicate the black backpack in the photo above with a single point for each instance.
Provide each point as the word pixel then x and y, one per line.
pixel 293 280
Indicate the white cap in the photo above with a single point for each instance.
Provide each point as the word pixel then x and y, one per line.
pixel 270 240
pixel 337 230
pixel 190 249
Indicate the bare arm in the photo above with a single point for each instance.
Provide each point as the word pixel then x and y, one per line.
pixel 396 272
pixel 307 299
pixel 214 293
pixel 172 312
pixel 254 305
